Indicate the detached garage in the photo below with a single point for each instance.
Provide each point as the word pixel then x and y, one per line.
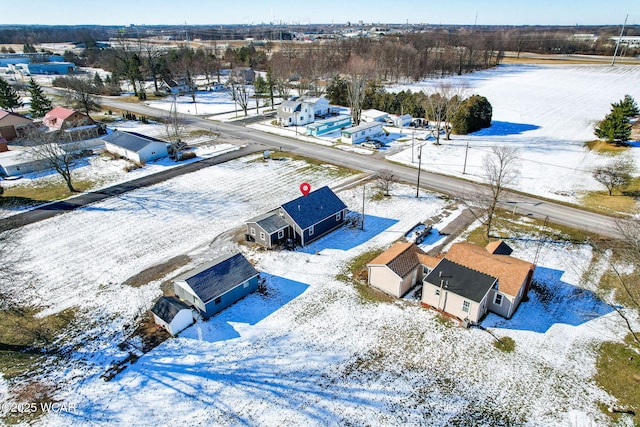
pixel 172 314
pixel 135 147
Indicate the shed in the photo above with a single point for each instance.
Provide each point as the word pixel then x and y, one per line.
pixel 373 115
pixel 217 284
pixel 135 147
pixel 172 314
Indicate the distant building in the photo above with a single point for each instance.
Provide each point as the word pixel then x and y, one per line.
pixel 60 118
pixel 331 124
pixel 13 125
pixel 56 68
pixel 361 133
pixel 373 115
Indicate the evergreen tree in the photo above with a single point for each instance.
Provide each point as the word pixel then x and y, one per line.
pixel 614 128
pixel 9 98
pixel 337 93
pixel 627 107
pixel 40 104
pixel 474 114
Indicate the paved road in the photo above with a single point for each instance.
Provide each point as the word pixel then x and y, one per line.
pixel 525 205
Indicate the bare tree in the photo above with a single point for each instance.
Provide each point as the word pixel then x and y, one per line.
pixel 500 171
pixel 48 148
pixel 455 96
pixel 385 180
pixel 616 174
pixel 241 96
pixel 81 94
pixel 174 126
pixel 358 70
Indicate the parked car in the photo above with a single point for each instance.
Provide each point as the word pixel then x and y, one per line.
pixel 372 144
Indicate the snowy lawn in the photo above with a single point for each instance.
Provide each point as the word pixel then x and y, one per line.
pixel 311 351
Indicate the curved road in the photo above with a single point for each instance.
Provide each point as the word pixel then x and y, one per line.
pixel 257 140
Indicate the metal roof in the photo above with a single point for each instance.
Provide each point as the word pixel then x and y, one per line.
pixel 219 276
pixel 130 140
pixel 270 222
pixel 313 208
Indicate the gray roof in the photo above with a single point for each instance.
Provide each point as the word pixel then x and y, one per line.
pixel 130 140
pixel 270 222
pixel 294 105
pixel 314 207
pixel 219 276
pixel 461 280
pixel 167 308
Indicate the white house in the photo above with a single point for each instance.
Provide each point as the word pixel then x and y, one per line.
pixel 295 113
pixel 362 132
pixel 172 314
pixel 373 115
pixel 135 147
pixel 320 105
pixel 402 121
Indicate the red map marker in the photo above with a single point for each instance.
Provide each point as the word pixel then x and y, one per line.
pixel 305 188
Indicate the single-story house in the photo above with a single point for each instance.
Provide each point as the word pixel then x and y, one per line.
pixel 172 314
pixel 268 229
pixel 513 275
pixel 135 147
pixel 60 118
pixel 320 105
pixel 218 284
pixel 243 75
pixel 20 162
pixel 13 125
pixel 401 121
pixel 399 268
pixel 176 87
pixel 295 113
pixel 300 221
pixel 458 290
pixel 314 215
pixel 328 125
pixel 373 115
pixel 362 132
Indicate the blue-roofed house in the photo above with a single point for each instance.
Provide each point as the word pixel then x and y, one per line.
pixel 314 215
pixel 172 314
pixel 268 229
pixel 218 284
pixel 135 147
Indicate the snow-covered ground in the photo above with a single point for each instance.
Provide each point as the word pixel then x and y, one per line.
pixel 310 351
pixel 546 112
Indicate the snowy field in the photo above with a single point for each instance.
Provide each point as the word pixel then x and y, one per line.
pixel 546 112
pixel 310 351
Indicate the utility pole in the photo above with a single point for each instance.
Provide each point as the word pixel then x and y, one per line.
pixel 364 186
pixel 464 168
pixel 419 169
pixel 413 137
pixel 613 61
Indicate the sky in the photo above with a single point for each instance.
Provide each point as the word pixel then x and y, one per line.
pixel 203 12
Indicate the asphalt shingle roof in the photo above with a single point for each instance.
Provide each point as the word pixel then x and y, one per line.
pixel 219 276
pixel 314 207
pixel 167 308
pixel 270 222
pixel 463 281
pixel 402 258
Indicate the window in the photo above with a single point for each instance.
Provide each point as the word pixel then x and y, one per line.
pixel 497 300
pixel 280 234
pixel 437 292
pixel 262 236
pixel 466 306
pixel 338 216
pixel 253 231
pixel 311 230
pixel 426 270
pixel 218 300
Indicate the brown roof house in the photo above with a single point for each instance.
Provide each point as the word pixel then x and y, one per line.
pixel 399 268
pixel 12 124
pixel 471 280
pixel 62 118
